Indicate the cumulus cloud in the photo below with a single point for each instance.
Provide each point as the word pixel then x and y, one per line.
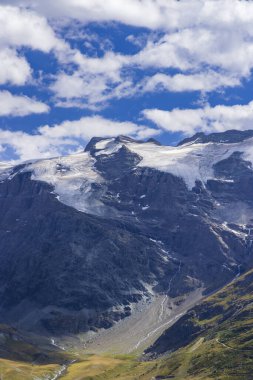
pixel 161 14
pixel 91 78
pixel 21 27
pixel 91 81
pixel 68 136
pixel 13 105
pixel 13 69
pixel 87 127
pixel 206 81
pixel 130 12
pixel 84 90
pixel 210 51
pixel 191 49
pixel 27 146
pixel 205 59
pixel 208 119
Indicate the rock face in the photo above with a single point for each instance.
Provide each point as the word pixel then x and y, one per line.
pixel 84 237
pixel 72 265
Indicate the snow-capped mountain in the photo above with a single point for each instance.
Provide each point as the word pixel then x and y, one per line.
pixel 84 237
pixel 73 177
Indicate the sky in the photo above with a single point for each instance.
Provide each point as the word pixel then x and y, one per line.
pixel 167 69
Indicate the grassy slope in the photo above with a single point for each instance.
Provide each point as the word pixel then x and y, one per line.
pixel 222 343
pixel 13 370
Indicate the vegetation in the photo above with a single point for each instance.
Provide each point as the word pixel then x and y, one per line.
pixel 13 370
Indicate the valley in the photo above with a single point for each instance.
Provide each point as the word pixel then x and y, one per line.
pixel 137 332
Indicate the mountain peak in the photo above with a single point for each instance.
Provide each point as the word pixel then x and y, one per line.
pixel 92 143
pixel 227 137
pixel 154 141
pixel 100 143
pixel 125 139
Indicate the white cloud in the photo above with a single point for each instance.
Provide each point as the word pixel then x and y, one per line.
pixel 229 50
pixel 164 14
pixel 204 66
pixel 87 127
pixel 210 51
pixel 13 69
pixel 209 43
pixel 91 78
pixel 110 63
pixel 128 12
pixel 94 82
pixel 68 136
pixel 89 91
pixel 79 90
pixel 27 146
pixel 12 105
pixel 21 27
pixel 206 81
pixel 208 119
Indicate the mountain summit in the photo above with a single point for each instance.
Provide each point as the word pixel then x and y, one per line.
pixel 87 237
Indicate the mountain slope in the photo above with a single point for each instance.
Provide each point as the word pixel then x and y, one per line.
pixel 85 237
pixel 66 263
pixel 215 338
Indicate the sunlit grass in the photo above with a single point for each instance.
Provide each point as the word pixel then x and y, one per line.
pixel 12 370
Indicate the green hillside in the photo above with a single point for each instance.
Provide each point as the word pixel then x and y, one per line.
pixel 216 336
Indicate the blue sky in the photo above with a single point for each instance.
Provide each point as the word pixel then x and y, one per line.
pixel 73 69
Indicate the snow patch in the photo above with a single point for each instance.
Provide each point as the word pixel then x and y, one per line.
pixel 5 170
pixel 108 147
pixel 72 178
pixel 235 232
pixel 190 162
pixel 103 143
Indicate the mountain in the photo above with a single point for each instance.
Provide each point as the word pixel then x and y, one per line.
pixel 86 237
pixel 227 137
